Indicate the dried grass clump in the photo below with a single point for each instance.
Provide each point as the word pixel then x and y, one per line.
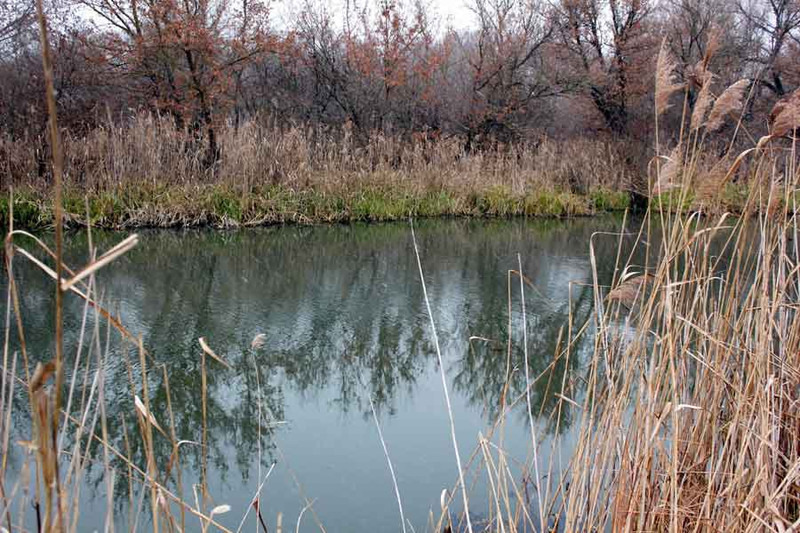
pixel 149 150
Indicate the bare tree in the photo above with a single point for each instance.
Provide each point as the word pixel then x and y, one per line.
pixel 773 24
pixel 183 54
pixel 377 69
pixel 508 65
pixel 607 45
pixel 16 16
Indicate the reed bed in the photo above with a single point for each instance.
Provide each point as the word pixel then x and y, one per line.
pixel 150 149
pixel 690 414
pixel 688 402
pixel 149 173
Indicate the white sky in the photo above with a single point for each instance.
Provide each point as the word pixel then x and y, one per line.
pixel 453 13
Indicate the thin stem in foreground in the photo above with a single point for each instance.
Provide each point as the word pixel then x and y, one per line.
pixel 444 381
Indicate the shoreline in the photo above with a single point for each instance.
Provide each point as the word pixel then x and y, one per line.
pixel 223 207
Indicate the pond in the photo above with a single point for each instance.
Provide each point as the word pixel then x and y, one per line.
pixel 340 316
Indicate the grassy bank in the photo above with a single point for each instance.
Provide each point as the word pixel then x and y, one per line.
pixel 223 206
pixel 148 172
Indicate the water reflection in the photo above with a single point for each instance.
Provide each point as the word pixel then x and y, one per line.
pixel 343 317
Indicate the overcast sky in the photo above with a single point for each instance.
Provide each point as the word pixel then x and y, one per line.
pixel 453 13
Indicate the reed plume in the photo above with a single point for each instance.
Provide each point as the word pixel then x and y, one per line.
pixel 669 172
pixel 785 115
pixel 665 79
pixel 704 101
pixel 729 102
pixel 711 46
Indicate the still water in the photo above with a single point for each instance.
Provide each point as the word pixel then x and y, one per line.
pixel 342 319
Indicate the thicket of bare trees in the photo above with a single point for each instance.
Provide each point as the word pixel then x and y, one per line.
pixel 525 69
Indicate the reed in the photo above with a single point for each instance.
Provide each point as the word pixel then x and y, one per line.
pixel 146 172
pixel 149 149
pixel 687 419
pixel 690 391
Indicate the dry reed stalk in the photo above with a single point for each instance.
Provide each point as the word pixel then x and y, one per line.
pixel 492 474
pixel 146 424
pixel 529 409
pixel 204 440
pixel 8 382
pixel 254 502
pixel 55 145
pixel 100 309
pixel 212 354
pixel 45 444
pixel 117 251
pixel 391 467
pixel 302 512
pixel 462 485
pixel 152 482
pixel 175 459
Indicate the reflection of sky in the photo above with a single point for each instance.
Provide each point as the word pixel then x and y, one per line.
pixel 338 305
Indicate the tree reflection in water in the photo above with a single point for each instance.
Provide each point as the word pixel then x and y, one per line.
pixel 342 310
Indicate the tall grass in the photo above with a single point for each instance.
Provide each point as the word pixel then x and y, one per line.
pixel 147 172
pixel 149 149
pixel 689 405
pixel 690 422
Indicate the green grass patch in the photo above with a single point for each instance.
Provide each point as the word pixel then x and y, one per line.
pixel 148 205
pixel 29 211
pixel 498 201
pixel 226 205
pixel 608 200
pixel 555 204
